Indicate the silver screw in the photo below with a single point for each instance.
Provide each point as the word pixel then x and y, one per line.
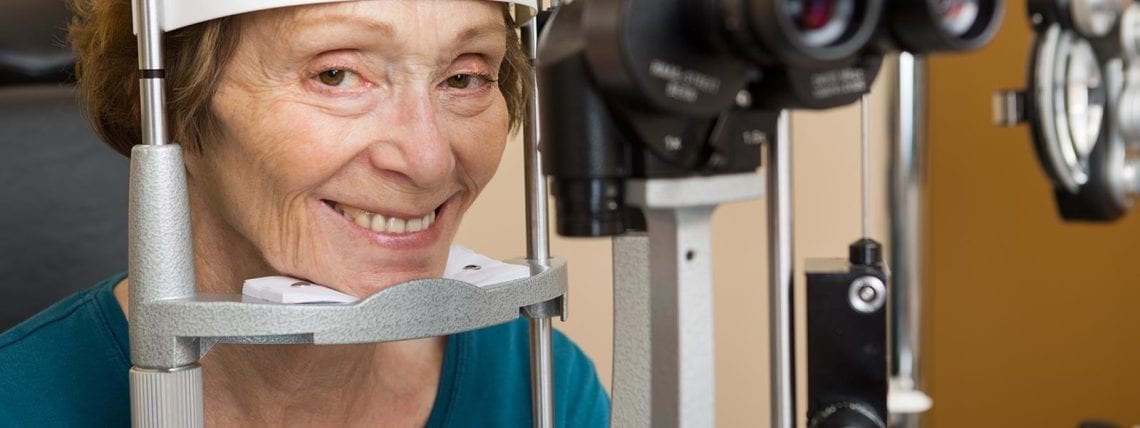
pixel 744 99
pixel 867 294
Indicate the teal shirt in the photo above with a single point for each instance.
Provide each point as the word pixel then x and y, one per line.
pixel 67 366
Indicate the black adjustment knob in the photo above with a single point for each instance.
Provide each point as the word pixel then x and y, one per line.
pixel 865 252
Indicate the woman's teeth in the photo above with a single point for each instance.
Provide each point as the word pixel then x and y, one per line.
pixel 384 224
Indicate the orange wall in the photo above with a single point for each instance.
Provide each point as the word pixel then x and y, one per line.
pixel 1032 322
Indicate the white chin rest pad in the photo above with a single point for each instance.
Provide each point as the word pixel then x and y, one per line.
pixel 462 265
pixel 181 13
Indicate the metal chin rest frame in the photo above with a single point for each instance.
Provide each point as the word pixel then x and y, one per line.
pixel 172 326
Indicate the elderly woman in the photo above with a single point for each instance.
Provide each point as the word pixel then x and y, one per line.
pixel 340 143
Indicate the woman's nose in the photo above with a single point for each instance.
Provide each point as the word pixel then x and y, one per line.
pixel 413 145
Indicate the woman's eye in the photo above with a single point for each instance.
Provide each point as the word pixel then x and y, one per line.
pixel 332 77
pixel 465 81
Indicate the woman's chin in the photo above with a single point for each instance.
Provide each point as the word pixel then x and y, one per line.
pixel 364 286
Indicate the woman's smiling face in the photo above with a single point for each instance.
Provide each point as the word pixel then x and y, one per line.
pixel 353 138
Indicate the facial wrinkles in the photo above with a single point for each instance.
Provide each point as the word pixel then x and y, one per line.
pixel 248 96
pixel 292 150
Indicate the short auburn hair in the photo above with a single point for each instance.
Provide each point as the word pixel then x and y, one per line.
pixel 106 68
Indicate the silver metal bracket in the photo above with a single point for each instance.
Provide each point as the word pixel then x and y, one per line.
pixel 548 309
pixel 165 395
pixel 663 317
pixel 416 309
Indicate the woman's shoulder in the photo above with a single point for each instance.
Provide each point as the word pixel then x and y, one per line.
pixel 490 369
pixel 67 364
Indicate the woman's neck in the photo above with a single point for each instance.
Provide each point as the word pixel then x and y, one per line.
pixel 389 384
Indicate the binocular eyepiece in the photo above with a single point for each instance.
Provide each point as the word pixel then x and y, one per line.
pixel 676 88
pixel 813 33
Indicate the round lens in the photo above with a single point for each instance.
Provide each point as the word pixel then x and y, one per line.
pixel 1084 99
pixel 957 16
pixel 821 22
pixel 815 14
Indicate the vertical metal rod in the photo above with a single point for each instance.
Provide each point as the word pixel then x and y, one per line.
pixel 151 72
pixel 907 178
pixel 538 230
pixel 906 186
pixel 537 242
pixel 780 265
pixel 542 373
pixel 865 154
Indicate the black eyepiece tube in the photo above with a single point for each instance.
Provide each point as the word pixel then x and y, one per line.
pixel 582 151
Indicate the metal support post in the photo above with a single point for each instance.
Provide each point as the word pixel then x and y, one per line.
pixel 161 254
pixel 538 247
pixel 907 177
pixel 664 350
pixel 681 317
pixel 632 350
pixel 781 323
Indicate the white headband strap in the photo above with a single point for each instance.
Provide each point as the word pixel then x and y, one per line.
pixel 181 13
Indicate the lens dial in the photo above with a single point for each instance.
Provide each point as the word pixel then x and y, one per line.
pixel 821 22
pixel 956 17
pixel 1068 106
pixel 1083 92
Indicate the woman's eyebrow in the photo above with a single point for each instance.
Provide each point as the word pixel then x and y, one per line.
pixel 323 20
pixel 481 31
